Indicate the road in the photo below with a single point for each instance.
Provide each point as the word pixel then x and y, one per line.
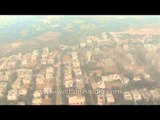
pixel 58 84
pixel 89 85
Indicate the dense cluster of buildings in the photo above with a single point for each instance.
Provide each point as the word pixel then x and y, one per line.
pixel 107 63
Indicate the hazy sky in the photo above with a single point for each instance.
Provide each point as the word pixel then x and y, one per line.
pixel 24 27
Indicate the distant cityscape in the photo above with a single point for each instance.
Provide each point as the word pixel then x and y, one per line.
pixel 116 71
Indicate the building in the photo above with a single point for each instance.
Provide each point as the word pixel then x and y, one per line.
pixel 76 63
pixel 68 83
pixel 26 81
pixel 111 77
pixel 100 99
pixel 37 101
pixel 67 74
pixel 136 78
pixel 125 81
pixel 155 95
pixel 49 70
pixel 104 36
pixel 77 100
pixel 37 94
pixel 3 86
pixel 21 103
pixel 22 92
pixel 82 45
pixel 17 84
pixel 43 61
pixel 127 96
pixel 101 85
pixel 24 63
pixel 50 61
pixel 94 85
pixel 145 94
pixel 47 90
pixel 48 75
pixel 88 55
pixel 110 98
pixel 147 77
pixel 74 55
pixel 77 72
pixel 79 84
pixel 136 95
pixel 40 80
pixel 12 95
